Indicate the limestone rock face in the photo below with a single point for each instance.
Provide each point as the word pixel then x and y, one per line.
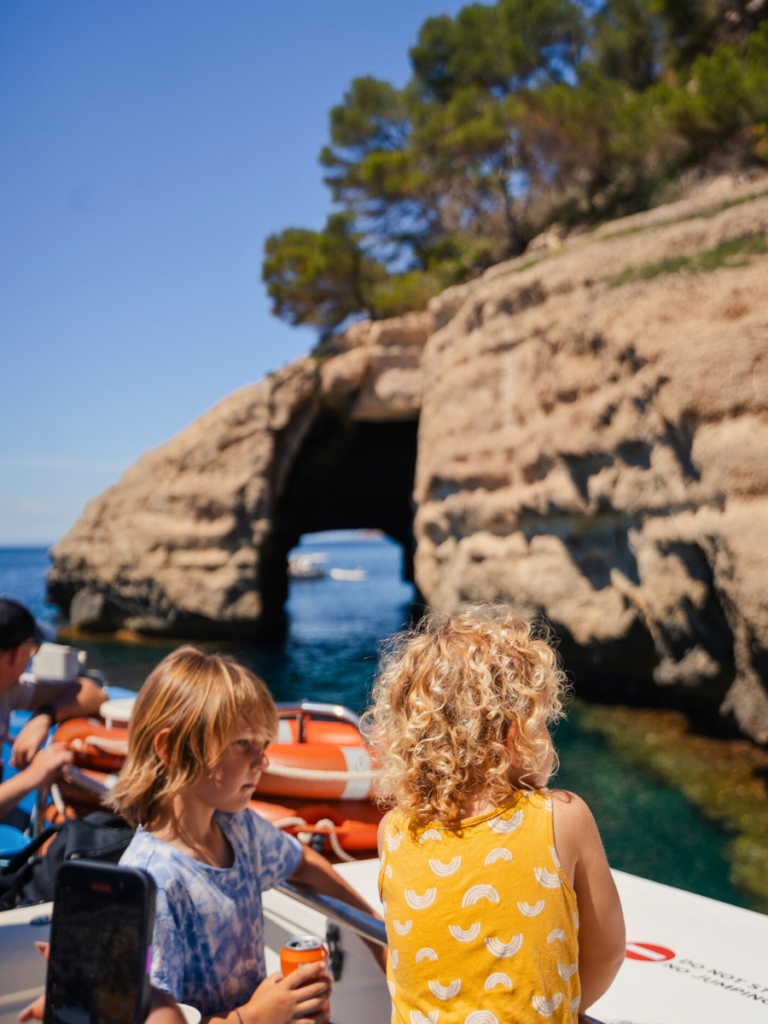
pixel 592 445
pixel 598 451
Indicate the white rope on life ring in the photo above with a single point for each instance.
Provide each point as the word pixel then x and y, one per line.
pixel 101 743
pixel 306 837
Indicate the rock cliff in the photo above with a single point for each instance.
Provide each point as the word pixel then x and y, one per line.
pixel 592 444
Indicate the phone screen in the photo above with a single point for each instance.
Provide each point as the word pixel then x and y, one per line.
pixel 98 955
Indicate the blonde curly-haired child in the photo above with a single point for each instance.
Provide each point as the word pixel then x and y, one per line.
pixel 499 904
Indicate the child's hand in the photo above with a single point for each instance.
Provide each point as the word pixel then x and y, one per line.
pixel 292 1000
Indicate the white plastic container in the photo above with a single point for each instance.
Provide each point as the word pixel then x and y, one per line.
pixel 117 713
pixel 56 663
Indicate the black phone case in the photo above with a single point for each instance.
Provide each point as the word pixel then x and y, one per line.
pixel 79 874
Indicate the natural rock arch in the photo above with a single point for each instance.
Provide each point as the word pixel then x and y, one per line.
pixel 347 475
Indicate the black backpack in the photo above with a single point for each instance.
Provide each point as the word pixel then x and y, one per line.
pixel 29 879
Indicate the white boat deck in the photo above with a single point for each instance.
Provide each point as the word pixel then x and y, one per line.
pixel 701 962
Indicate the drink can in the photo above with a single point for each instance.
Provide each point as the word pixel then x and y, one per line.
pixel 305 949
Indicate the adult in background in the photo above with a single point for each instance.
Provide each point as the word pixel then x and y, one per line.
pixel 20 638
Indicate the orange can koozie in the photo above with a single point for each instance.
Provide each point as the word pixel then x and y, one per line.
pixel 305 949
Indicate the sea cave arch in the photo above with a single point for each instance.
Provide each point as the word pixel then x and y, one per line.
pixel 347 474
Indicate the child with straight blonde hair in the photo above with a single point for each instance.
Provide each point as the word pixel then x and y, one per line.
pixel 499 903
pixel 197 744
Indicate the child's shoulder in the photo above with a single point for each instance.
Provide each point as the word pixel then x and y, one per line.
pixel 575 829
pixel 152 855
pixel 569 806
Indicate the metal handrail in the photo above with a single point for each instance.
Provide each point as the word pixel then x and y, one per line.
pixel 357 920
pixel 312 707
pixel 93 786
pixel 305 708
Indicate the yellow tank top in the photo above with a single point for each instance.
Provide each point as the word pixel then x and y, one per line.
pixel 481 920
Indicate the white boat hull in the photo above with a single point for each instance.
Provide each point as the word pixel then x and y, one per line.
pixel 717 972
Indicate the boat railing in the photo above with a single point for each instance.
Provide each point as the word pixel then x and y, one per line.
pixel 308 708
pixel 366 926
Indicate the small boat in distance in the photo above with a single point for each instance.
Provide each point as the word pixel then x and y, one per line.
pixel 307 566
pixel 349 575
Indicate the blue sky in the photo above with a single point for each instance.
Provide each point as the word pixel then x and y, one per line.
pixel 149 147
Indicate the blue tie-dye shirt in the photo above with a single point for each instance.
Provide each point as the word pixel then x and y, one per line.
pixel 208 945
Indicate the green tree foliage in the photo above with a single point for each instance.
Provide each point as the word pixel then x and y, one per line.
pixel 517 113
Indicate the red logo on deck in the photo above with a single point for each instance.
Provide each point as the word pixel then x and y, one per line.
pixel 647 951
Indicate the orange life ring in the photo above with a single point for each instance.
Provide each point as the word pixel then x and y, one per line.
pixel 95 745
pixel 317 771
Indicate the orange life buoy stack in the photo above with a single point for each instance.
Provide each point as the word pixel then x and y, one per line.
pixel 314 759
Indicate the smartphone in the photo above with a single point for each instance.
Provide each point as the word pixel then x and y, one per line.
pixel 101 935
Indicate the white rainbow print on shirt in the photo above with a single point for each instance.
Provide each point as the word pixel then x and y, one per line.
pixel 546 1007
pixel 503 949
pixel 416 902
pixel 431 834
pixel 575 1004
pixel 394 841
pixel 425 953
pixel 450 868
pixel 480 892
pixel 447 991
pixel 503 826
pixel 481 1017
pixel 391 987
pixel 464 934
pixel 546 878
pixel 556 934
pixel 555 858
pixel 419 1018
pixel 567 971
pixel 500 853
pixel 531 910
pixel 402 929
pixel 388 871
pixel 499 978
pixel 394 957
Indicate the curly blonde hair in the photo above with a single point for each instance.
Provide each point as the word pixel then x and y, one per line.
pixel 199 698
pixel 449 694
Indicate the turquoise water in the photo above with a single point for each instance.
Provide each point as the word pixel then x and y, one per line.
pixel 329 653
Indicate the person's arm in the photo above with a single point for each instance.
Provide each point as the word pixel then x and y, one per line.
pixel 602 937
pixel 79 698
pixel 316 873
pixel 44 769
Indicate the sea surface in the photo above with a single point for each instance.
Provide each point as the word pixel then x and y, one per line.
pixel 330 653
